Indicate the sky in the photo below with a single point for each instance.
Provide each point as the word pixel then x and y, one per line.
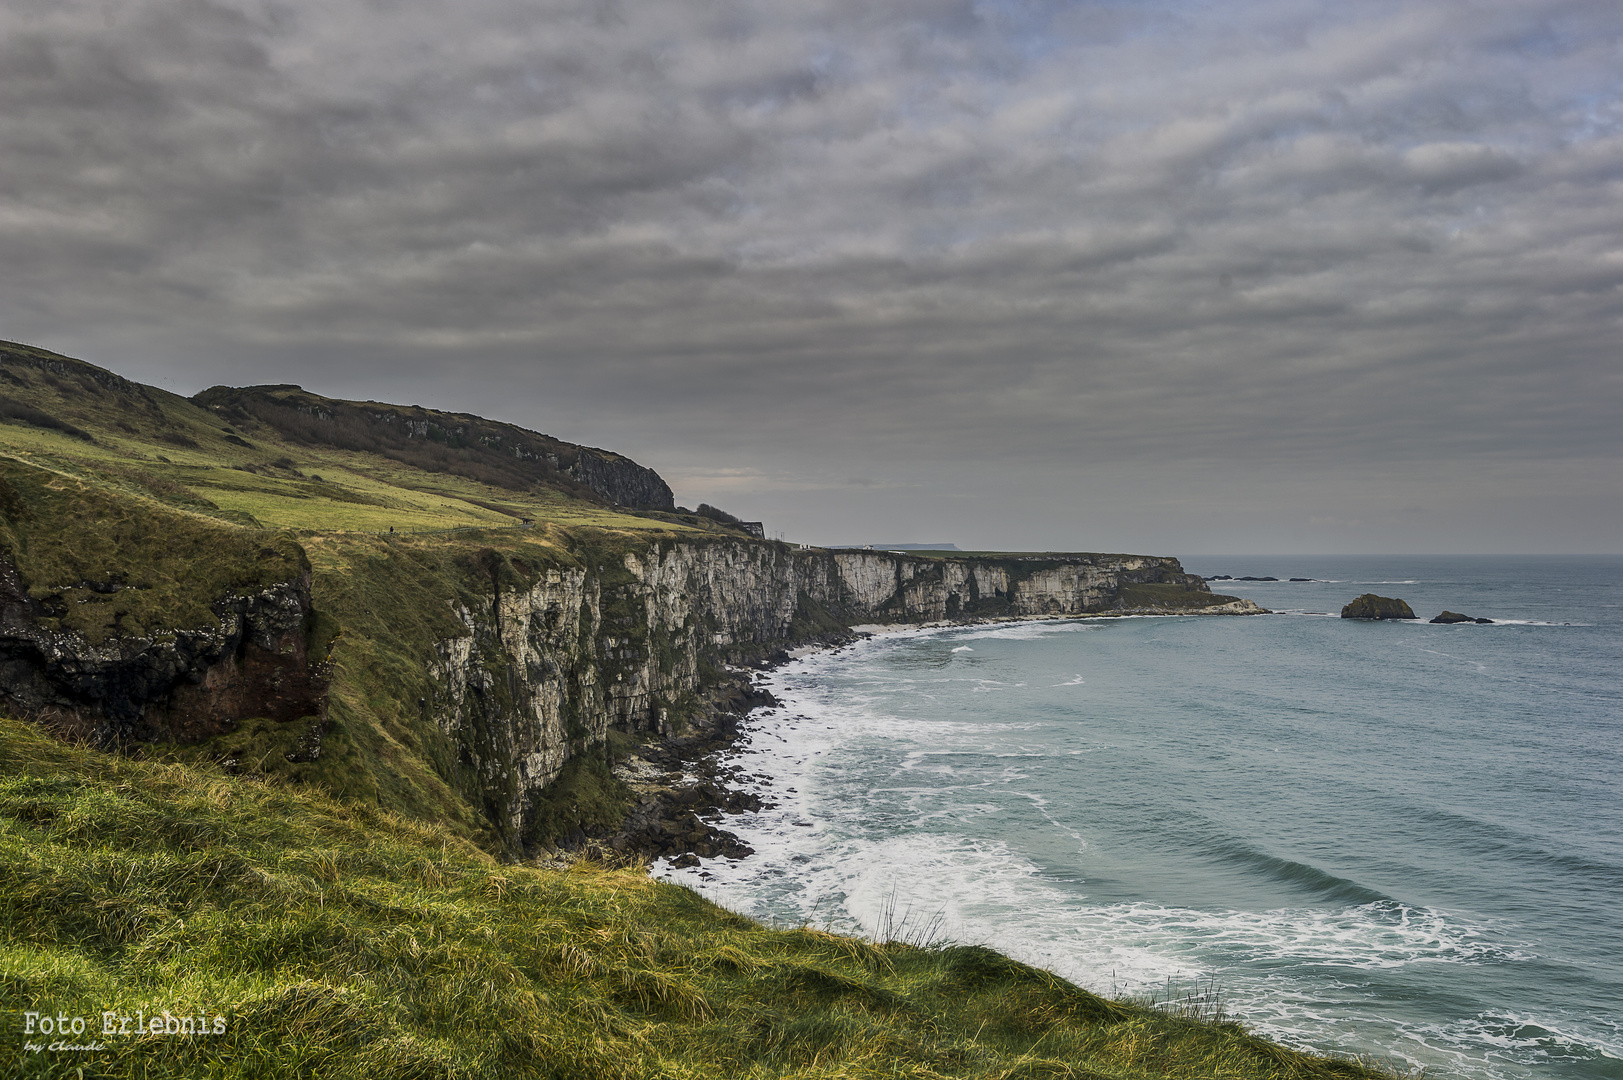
pixel 1193 276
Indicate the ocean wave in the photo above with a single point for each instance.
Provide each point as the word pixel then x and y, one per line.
pixel 1385 934
pixel 1527 1039
pixel 1497 1045
pixel 900 793
pixel 983 892
pixel 1297 875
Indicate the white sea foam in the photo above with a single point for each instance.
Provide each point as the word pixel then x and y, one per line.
pixel 1025 631
pixel 813 865
pixel 1527 1039
pixel 978 891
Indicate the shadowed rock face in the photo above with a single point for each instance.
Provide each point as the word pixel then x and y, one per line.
pixel 623 482
pixel 1370 606
pixel 182 689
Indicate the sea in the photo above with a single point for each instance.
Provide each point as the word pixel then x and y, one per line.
pixel 1393 839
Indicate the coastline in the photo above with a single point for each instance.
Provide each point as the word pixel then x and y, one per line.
pixel 1204 730
pixel 684 788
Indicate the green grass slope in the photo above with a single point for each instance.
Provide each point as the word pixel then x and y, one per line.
pixel 335 940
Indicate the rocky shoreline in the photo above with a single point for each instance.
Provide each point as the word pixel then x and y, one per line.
pixel 683 787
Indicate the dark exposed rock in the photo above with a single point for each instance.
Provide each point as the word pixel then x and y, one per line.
pixel 623 482
pixel 1303 579
pixel 178 689
pixel 1248 577
pixel 1456 617
pixel 1370 606
pixel 459 443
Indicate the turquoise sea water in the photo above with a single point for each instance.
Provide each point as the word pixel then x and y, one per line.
pixel 1386 838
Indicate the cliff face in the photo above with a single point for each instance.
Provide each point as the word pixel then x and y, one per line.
pixel 123 620
pixel 548 666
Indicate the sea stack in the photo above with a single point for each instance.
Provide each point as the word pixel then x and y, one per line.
pixel 1370 606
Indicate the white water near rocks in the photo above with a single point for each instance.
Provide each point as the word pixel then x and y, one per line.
pixel 1394 839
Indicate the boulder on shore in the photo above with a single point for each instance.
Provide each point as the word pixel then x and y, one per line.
pixel 1370 606
pixel 1454 617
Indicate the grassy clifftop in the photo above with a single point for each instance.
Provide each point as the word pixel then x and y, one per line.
pixel 336 940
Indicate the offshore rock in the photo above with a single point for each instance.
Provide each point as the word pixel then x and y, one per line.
pixel 1448 617
pixel 1370 606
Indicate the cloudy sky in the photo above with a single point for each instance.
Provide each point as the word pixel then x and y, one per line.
pixel 1182 276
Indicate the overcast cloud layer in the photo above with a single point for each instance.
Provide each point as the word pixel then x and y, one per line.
pixel 1179 277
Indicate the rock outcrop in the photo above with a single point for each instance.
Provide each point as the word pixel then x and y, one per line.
pixel 1370 606
pixel 503 455
pixel 175 688
pixel 622 481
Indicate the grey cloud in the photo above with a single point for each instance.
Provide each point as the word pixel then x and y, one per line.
pixel 974 241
